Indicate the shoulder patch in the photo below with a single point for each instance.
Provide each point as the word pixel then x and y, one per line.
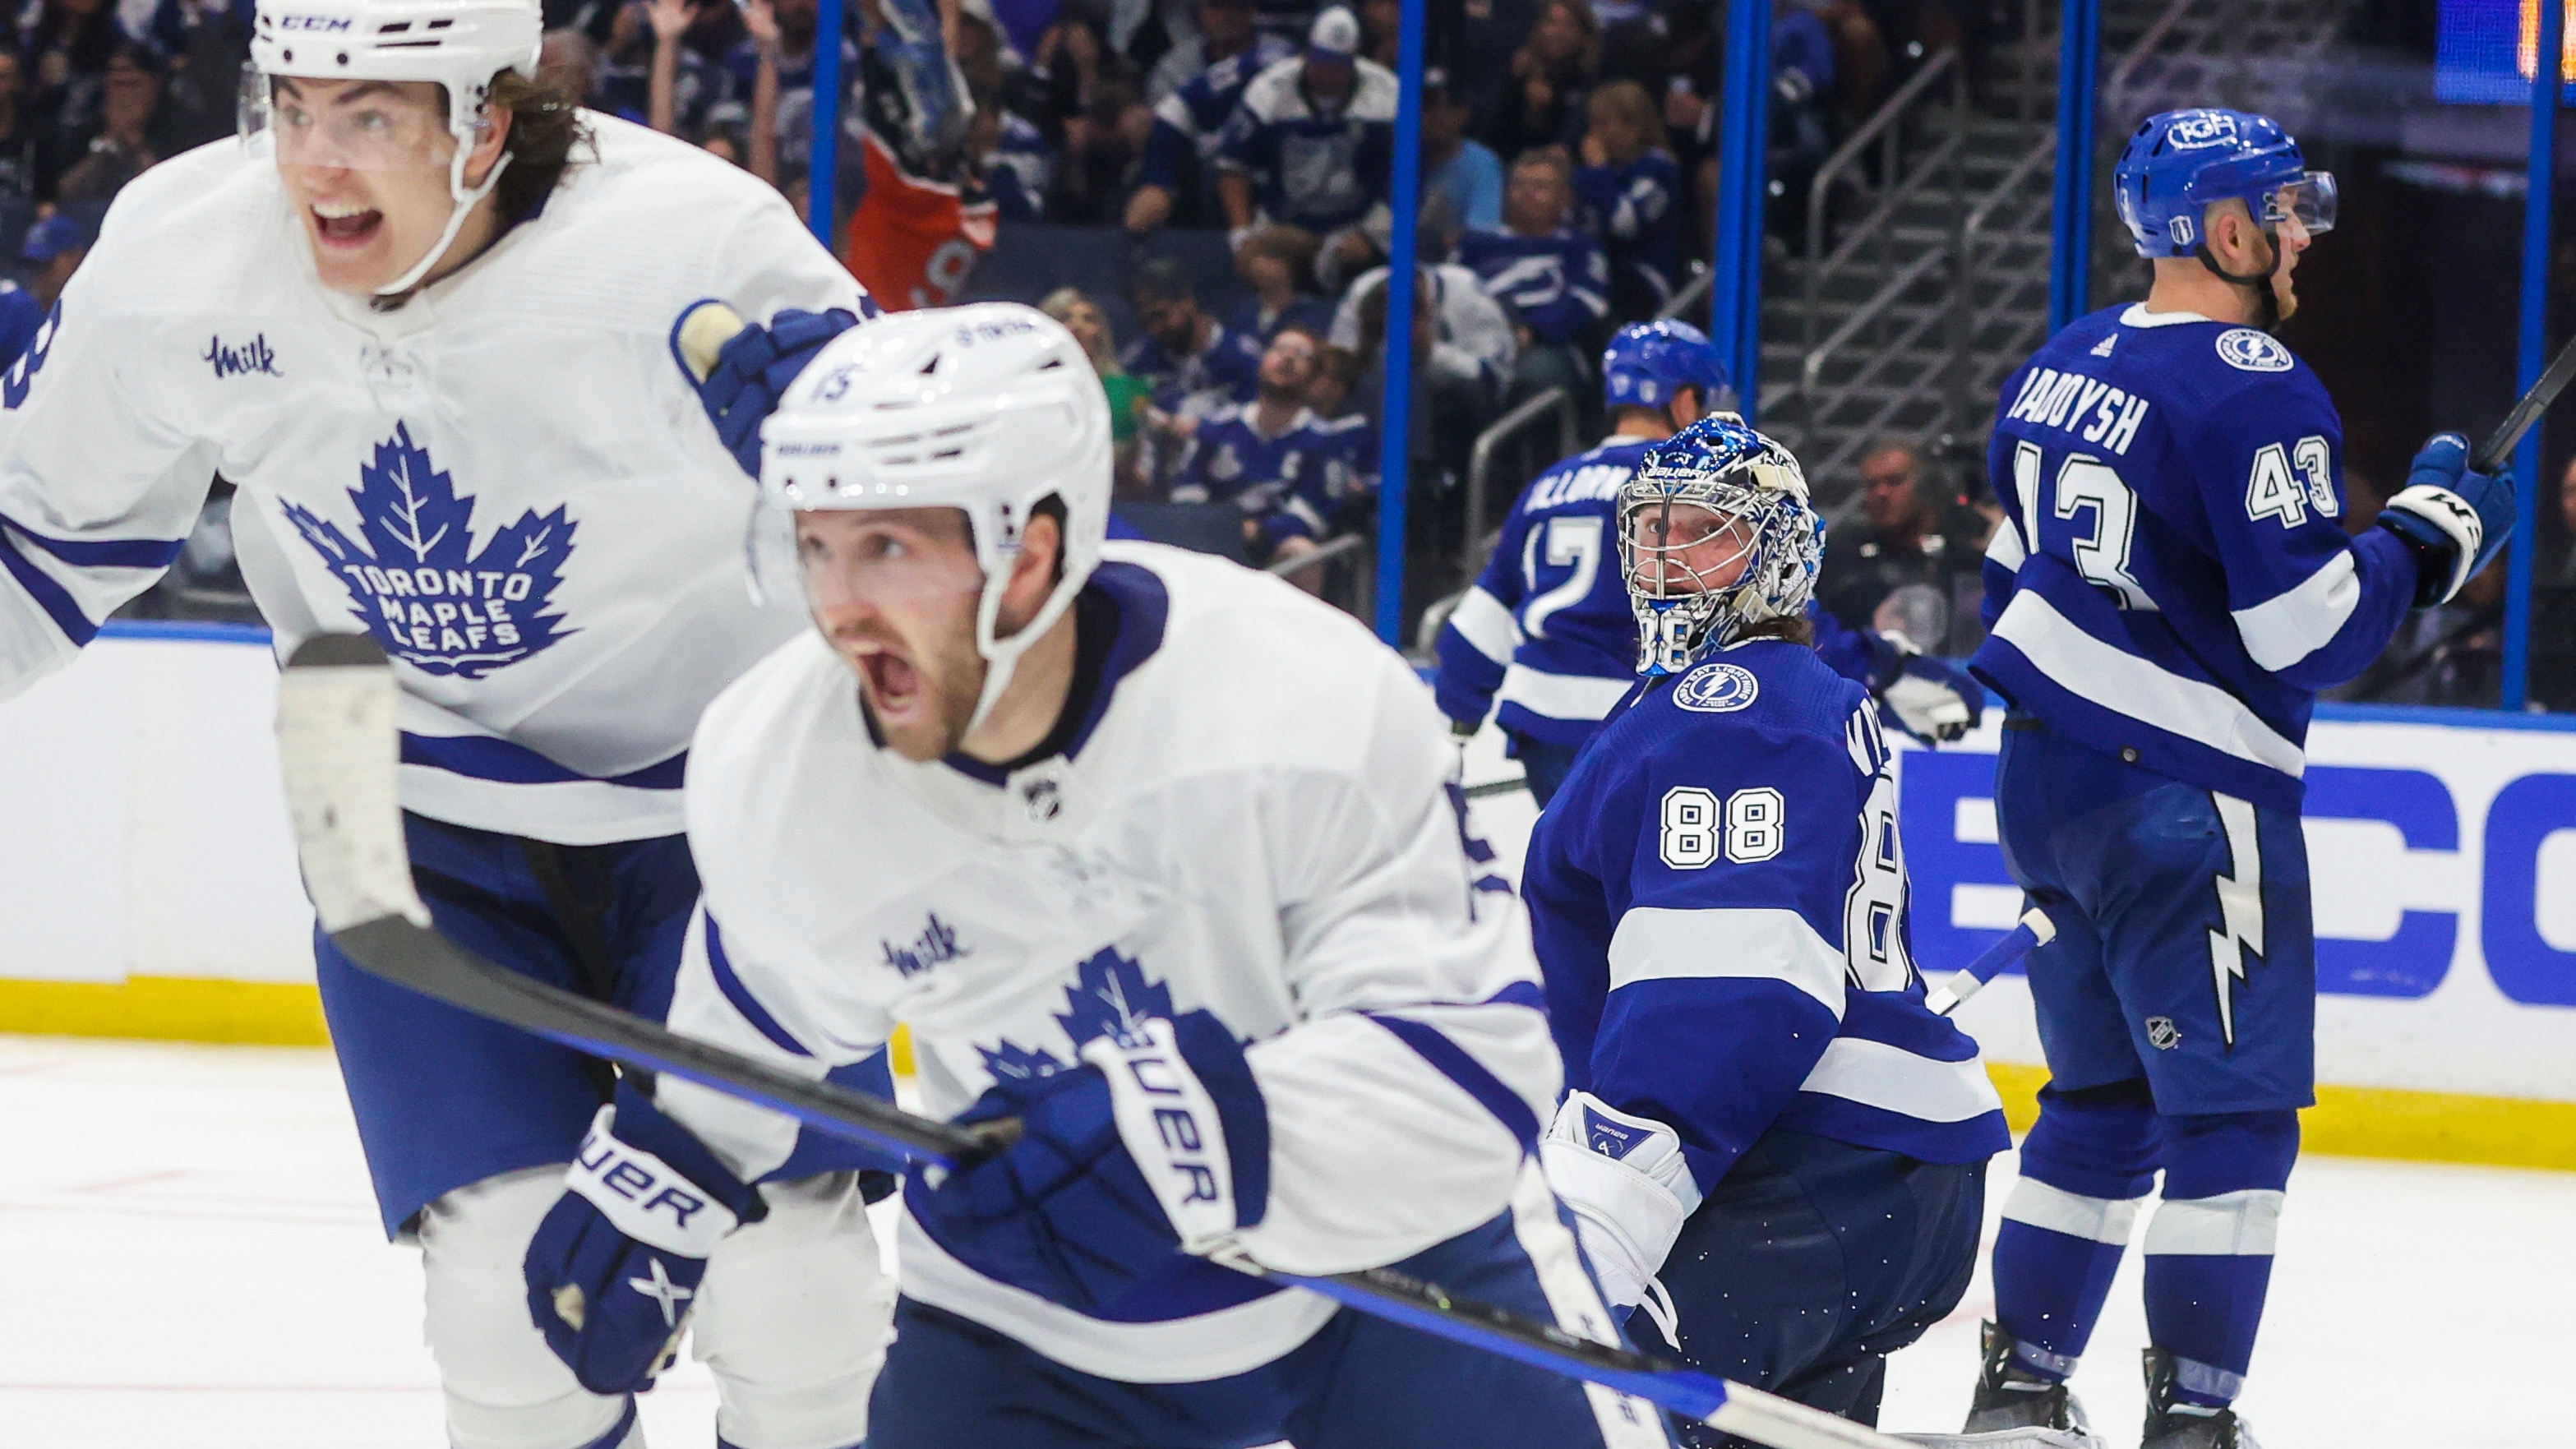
pixel 2247 350
pixel 1716 688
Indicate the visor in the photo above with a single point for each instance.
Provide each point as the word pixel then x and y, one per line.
pixel 850 558
pixel 2311 199
pixel 342 126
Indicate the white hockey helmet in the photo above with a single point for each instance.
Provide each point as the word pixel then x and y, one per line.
pixel 458 44
pixel 989 408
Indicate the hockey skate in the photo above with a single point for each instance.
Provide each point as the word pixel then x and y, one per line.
pixel 2172 1425
pixel 2011 1411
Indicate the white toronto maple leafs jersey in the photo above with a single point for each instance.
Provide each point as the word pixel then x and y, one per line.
pixel 1258 816
pixel 509 482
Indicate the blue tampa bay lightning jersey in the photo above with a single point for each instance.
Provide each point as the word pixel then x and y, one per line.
pixel 1718 894
pixel 1558 284
pixel 1546 633
pixel 1298 481
pixel 2173 581
pixel 1636 208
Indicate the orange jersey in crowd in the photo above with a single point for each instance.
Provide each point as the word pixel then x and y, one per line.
pixel 912 243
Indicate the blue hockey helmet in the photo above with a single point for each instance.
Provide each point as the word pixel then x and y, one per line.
pixel 2181 162
pixel 1649 361
pixel 1716 536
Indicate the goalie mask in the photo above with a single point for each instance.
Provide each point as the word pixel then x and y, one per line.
pixel 1715 537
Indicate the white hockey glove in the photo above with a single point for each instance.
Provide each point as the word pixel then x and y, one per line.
pixel 1628 1185
pixel 1932 700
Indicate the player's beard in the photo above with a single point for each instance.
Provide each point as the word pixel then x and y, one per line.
pixel 921 700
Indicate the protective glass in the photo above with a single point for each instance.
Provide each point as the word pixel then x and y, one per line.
pixel 841 558
pixel 339 125
pixel 1676 549
pixel 2311 200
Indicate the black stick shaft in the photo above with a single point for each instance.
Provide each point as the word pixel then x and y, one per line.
pixel 2497 450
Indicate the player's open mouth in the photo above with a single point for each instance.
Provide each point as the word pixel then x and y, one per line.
pixel 893 684
pixel 345 223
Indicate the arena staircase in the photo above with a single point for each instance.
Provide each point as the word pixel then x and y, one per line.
pixel 1922 277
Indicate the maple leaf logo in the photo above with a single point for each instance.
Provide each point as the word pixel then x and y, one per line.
pixel 417 582
pixel 1109 997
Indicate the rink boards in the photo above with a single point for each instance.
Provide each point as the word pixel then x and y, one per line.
pixel 148 883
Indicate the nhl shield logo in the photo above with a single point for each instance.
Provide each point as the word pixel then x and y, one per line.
pixel 2162 1034
pixel 1717 688
pixel 416 580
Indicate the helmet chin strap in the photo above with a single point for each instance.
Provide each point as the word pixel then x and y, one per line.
pixel 2267 302
pixel 1002 656
pixel 465 197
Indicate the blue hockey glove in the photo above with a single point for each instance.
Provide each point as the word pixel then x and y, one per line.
pixel 2455 518
pixel 613 1271
pixel 752 370
pixel 1157 1142
pixel 1931 699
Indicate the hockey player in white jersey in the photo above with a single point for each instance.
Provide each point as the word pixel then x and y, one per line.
pixel 1105 825
pixel 421 319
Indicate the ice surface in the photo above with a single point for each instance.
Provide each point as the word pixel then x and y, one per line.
pixel 189 1259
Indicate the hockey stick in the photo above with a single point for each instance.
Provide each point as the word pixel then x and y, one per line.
pixel 340 752
pixel 2033 930
pixel 2497 450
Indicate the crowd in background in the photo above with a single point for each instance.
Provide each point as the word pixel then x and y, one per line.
pixel 1569 175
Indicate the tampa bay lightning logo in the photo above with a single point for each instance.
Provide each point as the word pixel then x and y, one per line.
pixel 1110 996
pixel 428 595
pixel 1717 688
pixel 2247 350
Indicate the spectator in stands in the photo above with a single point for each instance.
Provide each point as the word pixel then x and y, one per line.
pixel 1293 474
pixel 1207 79
pixel 53 251
pixel 1470 341
pixel 1089 325
pixel 1277 261
pixel 1555 279
pixel 1313 145
pixel 1462 360
pixel 67 42
pixel 18 130
pixel 1381 31
pixel 1490 33
pixel 1631 191
pixel 1103 152
pixel 677 85
pixel 1913 536
pixel 2451 653
pixel 132 133
pixel 1335 391
pixel 1802 84
pixel 1551 74
pixel 2567 513
pixel 1010 157
pixel 1454 164
pixel 204 43
pixel 1195 364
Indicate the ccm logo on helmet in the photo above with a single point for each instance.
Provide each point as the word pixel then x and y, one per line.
pixel 313 22
pixel 2207 128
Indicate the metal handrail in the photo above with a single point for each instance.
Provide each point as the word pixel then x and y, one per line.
pixel 1480 461
pixel 1879 121
pixel 1689 296
pixel 1326 554
pixel 1875 228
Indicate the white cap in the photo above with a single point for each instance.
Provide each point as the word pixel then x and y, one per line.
pixel 1336 33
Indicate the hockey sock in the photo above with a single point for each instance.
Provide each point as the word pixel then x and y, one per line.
pixel 2209 1249
pixel 2083 1170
